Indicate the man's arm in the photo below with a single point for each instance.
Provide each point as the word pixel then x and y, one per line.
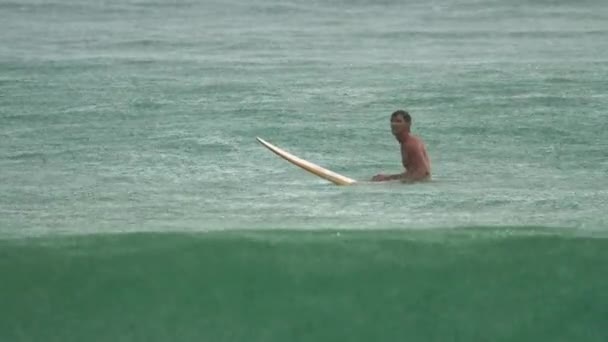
pixel 398 176
pixel 382 177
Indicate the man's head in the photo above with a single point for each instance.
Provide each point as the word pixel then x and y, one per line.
pixel 401 122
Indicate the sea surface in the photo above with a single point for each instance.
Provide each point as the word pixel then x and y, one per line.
pixel 137 205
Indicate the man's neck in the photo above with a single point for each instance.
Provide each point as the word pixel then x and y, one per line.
pixel 402 137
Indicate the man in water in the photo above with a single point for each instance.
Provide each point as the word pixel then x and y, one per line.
pixel 413 152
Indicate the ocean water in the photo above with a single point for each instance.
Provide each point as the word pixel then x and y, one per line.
pixel 137 205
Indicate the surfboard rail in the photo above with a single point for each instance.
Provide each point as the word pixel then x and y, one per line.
pixel 313 168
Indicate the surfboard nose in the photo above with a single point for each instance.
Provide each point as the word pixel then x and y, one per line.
pixel 315 169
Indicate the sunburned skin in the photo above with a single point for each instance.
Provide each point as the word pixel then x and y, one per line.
pixel 414 157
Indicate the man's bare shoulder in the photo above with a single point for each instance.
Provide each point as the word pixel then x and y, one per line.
pixel 414 141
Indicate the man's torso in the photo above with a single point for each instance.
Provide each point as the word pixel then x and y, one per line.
pixel 414 157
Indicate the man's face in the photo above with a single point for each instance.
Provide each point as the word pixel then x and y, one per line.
pixel 399 125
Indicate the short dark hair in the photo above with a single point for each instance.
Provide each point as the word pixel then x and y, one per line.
pixel 406 116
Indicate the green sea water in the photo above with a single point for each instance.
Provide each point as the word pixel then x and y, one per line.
pixel 137 205
pixel 472 285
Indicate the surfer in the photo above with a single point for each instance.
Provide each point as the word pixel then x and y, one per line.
pixel 413 152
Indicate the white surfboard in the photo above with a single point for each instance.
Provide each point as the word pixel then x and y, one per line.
pixel 317 170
